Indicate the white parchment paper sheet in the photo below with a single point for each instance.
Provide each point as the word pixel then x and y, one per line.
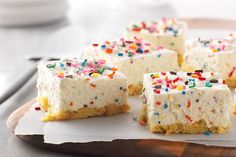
pixel 110 128
pixel 30 123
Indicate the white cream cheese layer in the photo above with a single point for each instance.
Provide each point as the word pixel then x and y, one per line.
pixel 72 84
pixel 212 55
pixel 134 57
pixel 186 98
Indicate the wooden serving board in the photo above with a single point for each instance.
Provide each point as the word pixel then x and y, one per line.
pixel 139 148
pixel 124 148
pixel 210 23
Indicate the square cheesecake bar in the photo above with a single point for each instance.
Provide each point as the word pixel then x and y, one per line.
pixel 169 33
pixel 133 58
pixel 218 55
pixel 181 102
pixel 76 88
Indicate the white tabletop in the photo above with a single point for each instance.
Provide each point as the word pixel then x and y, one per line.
pixel 88 21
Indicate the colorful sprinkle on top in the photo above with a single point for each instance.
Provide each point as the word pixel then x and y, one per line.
pixel 215 45
pixel 81 68
pixel 126 48
pixel 163 82
pixel 164 26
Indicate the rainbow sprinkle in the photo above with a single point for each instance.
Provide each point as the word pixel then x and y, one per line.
pixel 76 68
pixel 127 48
pixel 216 45
pixel 181 81
pixel 163 26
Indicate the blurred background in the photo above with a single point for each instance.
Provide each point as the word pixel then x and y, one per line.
pixel 35 29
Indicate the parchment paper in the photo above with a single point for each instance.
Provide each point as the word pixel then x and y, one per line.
pixel 124 126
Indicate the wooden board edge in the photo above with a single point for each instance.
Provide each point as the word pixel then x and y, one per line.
pixel 210 23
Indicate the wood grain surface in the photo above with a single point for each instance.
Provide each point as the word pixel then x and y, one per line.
pixel 139 148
